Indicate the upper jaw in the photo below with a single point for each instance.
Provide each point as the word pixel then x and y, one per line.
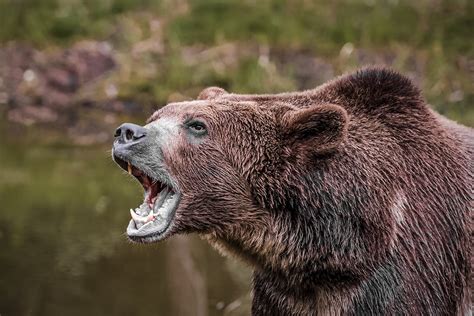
pixel 153 219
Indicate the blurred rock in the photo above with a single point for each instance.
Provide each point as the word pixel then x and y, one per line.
pixel 40 84
pixel 81 89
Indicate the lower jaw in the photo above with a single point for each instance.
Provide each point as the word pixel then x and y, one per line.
pixel 158 229
pixel 139 237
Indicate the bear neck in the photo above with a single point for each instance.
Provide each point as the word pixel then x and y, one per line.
pixel 312 228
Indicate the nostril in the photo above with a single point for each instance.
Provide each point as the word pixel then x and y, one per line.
pixel 129 134
pixel 117 133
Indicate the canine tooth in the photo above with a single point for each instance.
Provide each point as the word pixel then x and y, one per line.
pixel 129 167
pixel 137 218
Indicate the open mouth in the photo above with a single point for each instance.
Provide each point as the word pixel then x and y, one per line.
pixel 153 218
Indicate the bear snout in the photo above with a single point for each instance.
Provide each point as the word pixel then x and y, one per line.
pixel 129 133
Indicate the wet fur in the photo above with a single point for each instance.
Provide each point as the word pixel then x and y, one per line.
pixel 353 198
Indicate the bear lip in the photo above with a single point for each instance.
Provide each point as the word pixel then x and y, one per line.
pixel 153 218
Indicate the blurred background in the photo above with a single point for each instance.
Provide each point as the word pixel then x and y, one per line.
pixel 71 71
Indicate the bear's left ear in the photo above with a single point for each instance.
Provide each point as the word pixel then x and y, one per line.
pixel 316 130
pixel 211 93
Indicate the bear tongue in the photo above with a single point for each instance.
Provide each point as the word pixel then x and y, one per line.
pixel 153 190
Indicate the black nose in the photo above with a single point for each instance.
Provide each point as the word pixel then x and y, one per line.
pixel 128 133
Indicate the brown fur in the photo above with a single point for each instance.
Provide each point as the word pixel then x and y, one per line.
pixel 352 198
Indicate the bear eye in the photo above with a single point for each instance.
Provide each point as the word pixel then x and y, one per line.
pixel 197 127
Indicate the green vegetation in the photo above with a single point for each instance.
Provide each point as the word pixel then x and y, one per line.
pixel 315 25
pixel 324 27
pixel 45 22
pixel 431 40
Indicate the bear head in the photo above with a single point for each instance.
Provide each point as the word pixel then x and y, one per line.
pixel 217 165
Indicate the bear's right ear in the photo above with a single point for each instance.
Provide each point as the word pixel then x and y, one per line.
pixel 211 93
pixel 316 130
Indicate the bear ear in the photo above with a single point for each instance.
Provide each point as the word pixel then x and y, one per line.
pixel 211 93
pixel 316 130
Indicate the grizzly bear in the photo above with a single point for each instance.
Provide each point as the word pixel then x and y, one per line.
pixel 353 198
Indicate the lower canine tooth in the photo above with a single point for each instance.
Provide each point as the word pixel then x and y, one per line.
pixel 138 218
pixel 129 168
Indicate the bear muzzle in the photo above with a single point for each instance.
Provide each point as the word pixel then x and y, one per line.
pixel 151 221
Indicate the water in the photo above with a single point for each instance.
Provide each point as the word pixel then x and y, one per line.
pixel 63 250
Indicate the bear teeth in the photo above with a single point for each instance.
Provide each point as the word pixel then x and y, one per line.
pixel 142 219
